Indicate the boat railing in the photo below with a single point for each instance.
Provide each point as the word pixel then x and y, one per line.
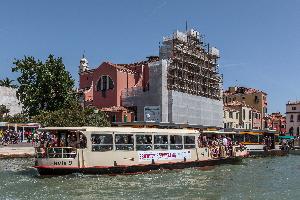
pixel 161 146
pixel 143 147
pixel 127 147
pixel 56 152
pixel 102 147
pixel 176 146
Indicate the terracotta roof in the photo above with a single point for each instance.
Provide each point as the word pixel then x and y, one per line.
pixel 131 67
pixel 114 109
pixel 243 90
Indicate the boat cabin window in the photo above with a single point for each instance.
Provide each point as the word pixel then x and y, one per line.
pixel 238 138
pixel 59 144
pixel 251 138
pixel 143 142
pixel 189 142
pixel 176 142
pixel 261 139
pixel 160 142
pixel 102 142
pixel 52 139
pixel 277 138
pixel 124 142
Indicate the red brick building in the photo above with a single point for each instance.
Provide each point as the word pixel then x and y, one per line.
pixel 102 87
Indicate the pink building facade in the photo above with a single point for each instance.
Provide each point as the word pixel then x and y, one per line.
pixel 102 87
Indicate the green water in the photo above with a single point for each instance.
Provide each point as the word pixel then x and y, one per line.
pixel 260 178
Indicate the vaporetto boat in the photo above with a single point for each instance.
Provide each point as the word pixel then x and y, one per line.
pixel 124 150
pixel 259 142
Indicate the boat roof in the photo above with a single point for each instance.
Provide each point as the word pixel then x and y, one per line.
pixel 220 132
pixel 120 129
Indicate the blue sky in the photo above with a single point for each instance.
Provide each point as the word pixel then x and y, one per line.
pixel 259 40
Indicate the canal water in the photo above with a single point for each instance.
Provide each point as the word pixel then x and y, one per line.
pixel 259 178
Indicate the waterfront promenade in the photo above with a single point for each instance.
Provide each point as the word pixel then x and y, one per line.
pixel 21 150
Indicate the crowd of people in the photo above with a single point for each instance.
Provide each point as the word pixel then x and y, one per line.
pixel 10 136
pixel 219 146
pixel 48 140
pixel 51 144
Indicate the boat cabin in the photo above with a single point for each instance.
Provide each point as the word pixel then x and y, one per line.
pixel 124 149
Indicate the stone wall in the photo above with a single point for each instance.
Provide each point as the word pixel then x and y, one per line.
pixel 8 97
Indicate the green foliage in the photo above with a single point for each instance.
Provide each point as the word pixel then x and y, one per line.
pixel 3 110
pixel 75 116
pixel 44 86
pixel 18 118
pixel 7 83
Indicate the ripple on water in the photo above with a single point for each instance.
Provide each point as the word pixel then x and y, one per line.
pixel 263 178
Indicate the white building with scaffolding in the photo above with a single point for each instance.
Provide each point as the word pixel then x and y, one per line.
pixel 184 87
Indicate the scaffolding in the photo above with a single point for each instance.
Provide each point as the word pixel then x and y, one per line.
pixel 193 65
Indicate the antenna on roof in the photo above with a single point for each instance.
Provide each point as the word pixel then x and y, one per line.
pixel 83 54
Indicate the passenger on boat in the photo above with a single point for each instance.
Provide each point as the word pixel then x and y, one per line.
pixel 82 141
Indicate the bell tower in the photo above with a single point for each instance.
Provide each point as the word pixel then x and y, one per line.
pixel 83 64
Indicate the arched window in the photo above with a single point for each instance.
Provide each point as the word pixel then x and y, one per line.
pixel 105 83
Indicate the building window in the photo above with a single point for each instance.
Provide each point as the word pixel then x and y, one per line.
pixel 230 115
pixel 250 114
pixel 298 118
pixel 114 118
pixel 291 130
pixel 105 83
pixel 256 100
pixel 244 114
pixel 237 115
pixel 293 108
pixel 292 118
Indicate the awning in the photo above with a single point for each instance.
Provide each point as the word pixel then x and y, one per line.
pixel 286 137
pixel 62 129
pixel 3 123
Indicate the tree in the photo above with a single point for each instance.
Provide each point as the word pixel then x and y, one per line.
pixel 44 86
pixel 7 83
pixel 74 116
pixel 3 110
pixel 17 118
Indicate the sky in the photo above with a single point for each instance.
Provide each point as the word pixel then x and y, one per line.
pixel 259 40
